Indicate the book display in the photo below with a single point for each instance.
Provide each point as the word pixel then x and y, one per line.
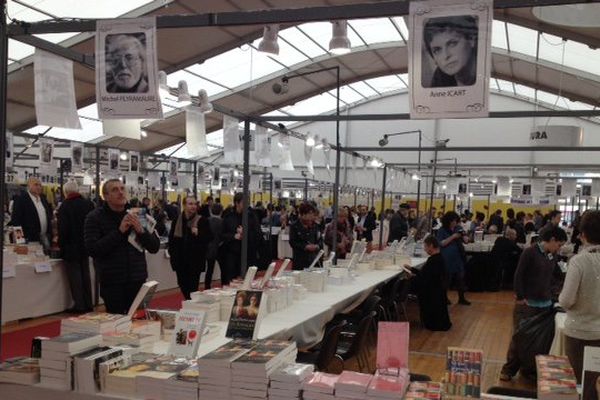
pixel 464 368
pixel 392 386
pixel 352 385
pixel 286 382
pixel 188 332
pixel 86 368
pixel 424 391
pixel 22 370
pixel 246 314
pixel 555 378
pixel 319 386
pixel 392 345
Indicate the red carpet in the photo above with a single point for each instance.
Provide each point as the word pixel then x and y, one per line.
pixel 18 343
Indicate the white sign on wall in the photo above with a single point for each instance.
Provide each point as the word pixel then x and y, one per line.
pixel 556 135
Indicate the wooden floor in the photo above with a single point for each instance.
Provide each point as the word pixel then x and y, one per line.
pixel 485 325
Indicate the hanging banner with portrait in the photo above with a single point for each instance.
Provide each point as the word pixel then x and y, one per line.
pixel 262 152
pixel 76 156
pixel 54 91
pixel 127 69
pixel 46 153
pixel 114 159
pixel 285 159
pixel 10 156
pixel 173 168
pixel 134 162
pixel 568 188
pixel 449 58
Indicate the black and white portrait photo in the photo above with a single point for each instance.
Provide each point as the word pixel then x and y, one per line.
pixel 113 159
pixel 450 43
pixel 134 162
pixel 173 168
pixel 127 69
pixel 126 63
pixel 449 58
pixel 77 156
pixel 46 150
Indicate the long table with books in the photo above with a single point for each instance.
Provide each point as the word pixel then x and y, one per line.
pixel 301 323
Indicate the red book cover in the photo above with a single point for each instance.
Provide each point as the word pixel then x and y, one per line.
pixel 353 381
pixel 392 345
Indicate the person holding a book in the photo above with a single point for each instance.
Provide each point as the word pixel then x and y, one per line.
pixel 121 266
pixel 305 237
pixel 536 273
pixel 431 285
pixel 188 244
pixel 581 291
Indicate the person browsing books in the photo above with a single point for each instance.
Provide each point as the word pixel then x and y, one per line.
pixel 305 237
pixel 121 266
pixel 188 244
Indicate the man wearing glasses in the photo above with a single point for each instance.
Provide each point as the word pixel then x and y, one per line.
pixel 125 64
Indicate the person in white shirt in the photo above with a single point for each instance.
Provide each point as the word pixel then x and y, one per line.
pixel 32 212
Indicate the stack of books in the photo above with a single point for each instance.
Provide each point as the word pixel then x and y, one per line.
pixel 387 384
pixel 319 386
pixel 211 307
pixel 21 370
pixel 286 382
pixel 183 386
pixel 151 383
pixel 424 391
pixel 313 281
pixel 142 341
pixel 214 370
pixel 167 319
pixel 251 371
pixel 96 322
pixel 352 385
pixel 55 364
pixel 114 364
pixel 555 378
pixel 122 382
pixel 86 368
pixel 464 368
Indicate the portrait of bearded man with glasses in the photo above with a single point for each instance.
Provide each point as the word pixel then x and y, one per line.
pixel 126 64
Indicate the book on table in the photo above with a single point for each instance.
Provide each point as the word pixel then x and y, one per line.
pixel 21 370
pixel 555 378
pixel 247 312
pixel 189 328
pixel 265 356
pixel 352 384
pixel 591 373
pixel 320 382
pixel 392 345
pixel 464 368
pixel 86 368
pixel 72 342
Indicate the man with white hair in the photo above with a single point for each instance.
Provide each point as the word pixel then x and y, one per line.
pixel 126 64
pixel 71 217
pixel 31 211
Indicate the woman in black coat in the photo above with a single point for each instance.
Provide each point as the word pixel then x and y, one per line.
pixel 431 284
pixel 188 242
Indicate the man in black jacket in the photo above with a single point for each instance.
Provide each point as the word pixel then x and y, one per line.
pixel 305 237
pixel 232 239
pixel 399 224
pixel 71 217
pixel 122 268
pixel 366 224
pixel 31 211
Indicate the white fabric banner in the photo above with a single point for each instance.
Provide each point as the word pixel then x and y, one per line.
pixel 262 153
pixel 10 150
pixel 173 168
pixel 504 187
pixel 451 186
pixel 308 159
pixel 46 152
pixel 285 160
pixel 114 159
pixel 55 103
pixel 595 187
pixel 232 144
pixel 449 58
pixel 125 128
pixel 134 162
pixel 195 133
pixel 76 156
pixel 538 187
pixel 127 69
pixel 153 180
pixel 569 188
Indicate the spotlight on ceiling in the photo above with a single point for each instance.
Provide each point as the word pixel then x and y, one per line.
pixel 183 94
pixel 384 141
pixel 281 88
pixel 339 43
pixel 123 156
pixel 269 44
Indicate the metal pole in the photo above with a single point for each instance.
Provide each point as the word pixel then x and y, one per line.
pixel 196 179
pixel 163 183
pixel 97 179
pixel 338 155
pixel 3 85
pixel 61 177
pixel 454 203
pixel 382 208
pixel 305 189
pixel 246 174
pixel 435 154
pixel 355 190
pixel 419 180
pixel 488 208
pixel 597 203
pixel 271 189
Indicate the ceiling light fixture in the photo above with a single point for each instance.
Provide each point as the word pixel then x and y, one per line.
pixel 143 133
pixel 204 105
pixel 415 177
pixel 123 156
pixel 183 95
pixel 384 141
pixel 310 141
pixel 269 44
pixel 163 87
pixel 281 88
pixel 339 43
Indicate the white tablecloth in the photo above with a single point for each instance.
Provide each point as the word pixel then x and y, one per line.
pixel 284 250
pixel 558 344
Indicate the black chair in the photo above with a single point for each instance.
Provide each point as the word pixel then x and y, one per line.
pixel 357 345
pixel 389 293
pixel 419 378
pixel 324 355
pixel 401 299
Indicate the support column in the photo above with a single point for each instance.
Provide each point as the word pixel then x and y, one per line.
pixel 195 187
pixel 382 208
pixel 97 179
pixel 246 174
pixel 3 88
